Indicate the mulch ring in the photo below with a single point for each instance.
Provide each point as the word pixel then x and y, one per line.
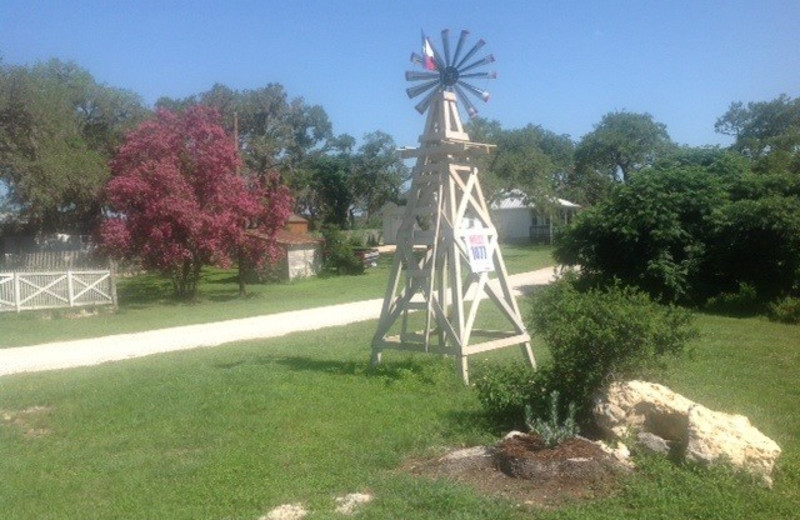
pixel 524 470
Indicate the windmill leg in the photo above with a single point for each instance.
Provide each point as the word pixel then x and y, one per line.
pixel 527 351
pixel 463 367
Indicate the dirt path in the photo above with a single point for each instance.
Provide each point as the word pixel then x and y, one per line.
pixel 93 351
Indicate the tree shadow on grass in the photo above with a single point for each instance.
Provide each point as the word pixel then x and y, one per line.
pixel 424 371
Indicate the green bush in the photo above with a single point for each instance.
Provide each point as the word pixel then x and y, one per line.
pixel 685 233
pixel 744 302
pixel 786 310
pixel 505 390
pixel 594 336
pixel 340 257
pixel 600 335
pixel 757 242
pixel 651 233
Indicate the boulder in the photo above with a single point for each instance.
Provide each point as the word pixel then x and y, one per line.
pixel 655 415
pixel 635 406
pixel 716 436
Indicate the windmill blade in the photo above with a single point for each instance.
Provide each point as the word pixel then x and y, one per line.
pixel 479 75
pixel 419 89
pixel 471 52
pixel 448 71
pixel 416 75
pixel 461 39
pixel 422 106
pixel 471 110
pixel 446 45
pixel 488 59
pixel 477 92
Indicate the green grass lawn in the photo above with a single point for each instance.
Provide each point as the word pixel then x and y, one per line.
pixel 145 301
pixel 231 432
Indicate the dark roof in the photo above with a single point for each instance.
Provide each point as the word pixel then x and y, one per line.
pixel 292 239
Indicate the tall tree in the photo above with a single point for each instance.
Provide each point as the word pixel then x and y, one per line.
pixel 531 159
pixel 178 203
pixel 275 133
pixel 378 173
pixel 766 132
pixel 58 130
pixel 622 144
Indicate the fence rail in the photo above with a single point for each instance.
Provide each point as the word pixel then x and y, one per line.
pixel 48 290
pixel 49 261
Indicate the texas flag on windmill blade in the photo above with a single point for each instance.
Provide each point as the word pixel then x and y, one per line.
pixel 429 62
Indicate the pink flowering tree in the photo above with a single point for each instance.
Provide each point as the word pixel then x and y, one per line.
pixel 178 202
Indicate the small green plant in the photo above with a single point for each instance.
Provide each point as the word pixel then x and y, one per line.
pixel 786 310
pixel 552 430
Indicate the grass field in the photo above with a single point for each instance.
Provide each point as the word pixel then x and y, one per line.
pixel 145 301
pixel 231 432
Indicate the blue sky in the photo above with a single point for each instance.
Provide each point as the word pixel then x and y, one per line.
pixel 561 65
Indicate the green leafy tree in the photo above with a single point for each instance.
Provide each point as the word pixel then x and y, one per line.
pixel 378 173
pixel 622 144
pixel 58 130
pixel 531 158
pixel 331 186
pixel 766 132
pixel 275 133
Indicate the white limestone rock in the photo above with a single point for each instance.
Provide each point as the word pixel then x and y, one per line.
pixel 720 437
pixel 633 407
pixel 350 503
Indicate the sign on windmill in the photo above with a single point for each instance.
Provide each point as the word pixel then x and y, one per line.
pixel 446 244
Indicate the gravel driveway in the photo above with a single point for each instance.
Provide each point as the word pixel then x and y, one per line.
pixel 93 351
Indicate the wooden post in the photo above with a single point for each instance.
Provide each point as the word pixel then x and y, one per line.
pixel 444 201
pixel 112 270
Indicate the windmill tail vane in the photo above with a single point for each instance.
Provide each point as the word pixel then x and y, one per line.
pixel 449 71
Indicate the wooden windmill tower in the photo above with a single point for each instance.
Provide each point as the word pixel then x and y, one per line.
pixel 447 246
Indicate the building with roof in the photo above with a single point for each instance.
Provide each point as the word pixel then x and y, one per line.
pixel 516 218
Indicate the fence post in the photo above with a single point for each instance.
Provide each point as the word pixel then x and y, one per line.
pixel 16 292
pixel 112 269
pixel 70 289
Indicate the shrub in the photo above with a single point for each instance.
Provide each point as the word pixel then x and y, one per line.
pixel 505 390
pixel 651 233
pixel 688 233
pixel 599 335
pixel 757 242
pixel 786 310
pixel 743 302
pixel 340 257
pixel 594 336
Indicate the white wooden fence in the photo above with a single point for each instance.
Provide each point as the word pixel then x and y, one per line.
pixel 46 290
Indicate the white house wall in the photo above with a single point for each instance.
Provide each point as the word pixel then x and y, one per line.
pixel 513 225
pixel 303 261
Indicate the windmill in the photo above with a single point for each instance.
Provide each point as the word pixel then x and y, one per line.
pixel 447 246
